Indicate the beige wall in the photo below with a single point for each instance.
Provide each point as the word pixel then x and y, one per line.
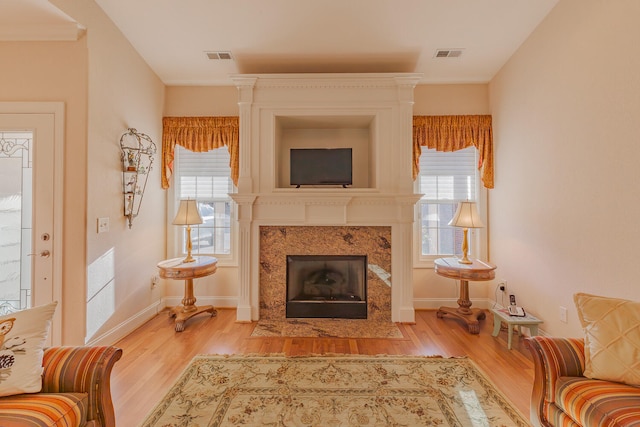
pixel 565 112
pixel 122 92
pixel 429 289
pixel 201 101
pixel 57 71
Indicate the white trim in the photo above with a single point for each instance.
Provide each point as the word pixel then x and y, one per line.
pixel 58 111
pixel 68 31
pixel 125 328
pixel 435 303
pixel 217 302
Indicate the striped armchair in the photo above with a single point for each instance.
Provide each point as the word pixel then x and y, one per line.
pixel 562 396
pixel 75 391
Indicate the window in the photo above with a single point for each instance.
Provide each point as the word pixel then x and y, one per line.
pixel 445 179
pixel 206 177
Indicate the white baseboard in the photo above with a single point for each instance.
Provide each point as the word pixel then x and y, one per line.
pixel 128 326
pixel 139 319
pixel 134 322
pixel 435 303
pixel 221 302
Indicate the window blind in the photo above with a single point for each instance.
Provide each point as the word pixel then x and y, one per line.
pixel 203 175
pixel 448 175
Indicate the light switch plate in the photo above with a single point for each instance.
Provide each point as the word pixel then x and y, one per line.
pixel 103 225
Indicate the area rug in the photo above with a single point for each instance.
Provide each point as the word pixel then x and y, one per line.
pixel 332 391
pixel 343 328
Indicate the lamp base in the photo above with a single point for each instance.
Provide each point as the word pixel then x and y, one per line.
pixel 465 248
pixel 189 258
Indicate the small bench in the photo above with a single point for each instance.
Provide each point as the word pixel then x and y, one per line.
pixel 502 315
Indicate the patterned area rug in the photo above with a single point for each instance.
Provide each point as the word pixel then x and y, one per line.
pixel 342 328
pixel 331 391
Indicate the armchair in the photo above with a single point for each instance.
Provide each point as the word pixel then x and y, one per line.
pixel 75 389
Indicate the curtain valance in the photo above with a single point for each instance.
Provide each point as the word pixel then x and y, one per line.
pixel 199 134
pixel 452 133
pixel 444 133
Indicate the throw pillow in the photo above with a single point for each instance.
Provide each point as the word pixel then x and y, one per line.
pixel 23 335
pixel 612 338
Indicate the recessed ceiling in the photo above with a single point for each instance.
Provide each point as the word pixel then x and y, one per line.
pixel 324 36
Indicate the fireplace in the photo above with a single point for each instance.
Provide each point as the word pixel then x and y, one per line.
pixel 372 115
pixel 327 286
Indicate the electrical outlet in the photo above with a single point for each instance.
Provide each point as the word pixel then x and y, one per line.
pixel 502 285
pixel 563 314
pixel 154 281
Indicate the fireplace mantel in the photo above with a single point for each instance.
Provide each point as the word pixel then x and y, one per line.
pixel 371 112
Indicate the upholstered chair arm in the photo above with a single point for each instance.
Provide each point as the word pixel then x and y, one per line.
pixel 552 358
pixel 83 370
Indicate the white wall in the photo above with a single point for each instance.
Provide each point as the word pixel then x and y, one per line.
pixel 565 114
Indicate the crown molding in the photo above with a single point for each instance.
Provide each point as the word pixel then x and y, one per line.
pixel 70 31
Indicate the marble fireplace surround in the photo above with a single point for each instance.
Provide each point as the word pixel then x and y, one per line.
pixel 276 242
pixel 372 114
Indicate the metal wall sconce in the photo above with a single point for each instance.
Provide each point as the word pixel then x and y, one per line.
pixel 137 157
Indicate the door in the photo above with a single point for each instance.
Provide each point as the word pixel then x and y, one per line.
pixel 30 206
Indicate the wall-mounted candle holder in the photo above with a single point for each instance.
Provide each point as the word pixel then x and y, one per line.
pixel 137 157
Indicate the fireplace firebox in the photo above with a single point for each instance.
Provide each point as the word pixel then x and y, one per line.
pixel 327 286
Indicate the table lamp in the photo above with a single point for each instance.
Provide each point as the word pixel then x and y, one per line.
pixel 466 217
pixel 188 214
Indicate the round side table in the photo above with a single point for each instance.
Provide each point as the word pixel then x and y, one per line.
pixel 177 269
pixel 476 271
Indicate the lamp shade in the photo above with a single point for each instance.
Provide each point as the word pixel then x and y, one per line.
pixel 188 213
pixel 466 216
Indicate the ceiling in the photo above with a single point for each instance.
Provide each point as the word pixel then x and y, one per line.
pixel 323 36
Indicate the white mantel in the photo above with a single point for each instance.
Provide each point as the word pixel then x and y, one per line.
pixel 279 111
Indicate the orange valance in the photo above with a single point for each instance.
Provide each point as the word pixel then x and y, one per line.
pixel 199 134
pixel 452 133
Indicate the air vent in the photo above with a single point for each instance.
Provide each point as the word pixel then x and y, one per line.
pixel 219 55
pixel 448 53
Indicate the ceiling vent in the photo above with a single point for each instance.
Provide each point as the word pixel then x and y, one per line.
pixel 448 53
pixel 219 55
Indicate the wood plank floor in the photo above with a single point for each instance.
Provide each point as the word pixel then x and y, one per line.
pixel 155 355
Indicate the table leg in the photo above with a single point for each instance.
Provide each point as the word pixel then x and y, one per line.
pixel 464 311
pixel 188 308
pixel 496 326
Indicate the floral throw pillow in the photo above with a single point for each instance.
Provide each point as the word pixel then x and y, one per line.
pixel 22 339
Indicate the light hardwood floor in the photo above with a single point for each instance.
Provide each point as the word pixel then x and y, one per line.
pixel 155 355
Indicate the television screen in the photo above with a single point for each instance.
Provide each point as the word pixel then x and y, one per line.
pixel 320 166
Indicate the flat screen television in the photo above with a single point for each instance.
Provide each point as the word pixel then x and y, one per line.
pixel 321 166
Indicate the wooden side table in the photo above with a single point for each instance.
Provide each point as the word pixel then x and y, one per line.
pixel 177 269
pixel 502 315
pixel 476 271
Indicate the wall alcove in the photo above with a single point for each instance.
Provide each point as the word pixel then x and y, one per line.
pixel 354 132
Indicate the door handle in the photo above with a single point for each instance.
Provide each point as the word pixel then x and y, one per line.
pixel 43 254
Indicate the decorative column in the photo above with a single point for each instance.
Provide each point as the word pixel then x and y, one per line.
pixel 245 217
pixel 244 200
